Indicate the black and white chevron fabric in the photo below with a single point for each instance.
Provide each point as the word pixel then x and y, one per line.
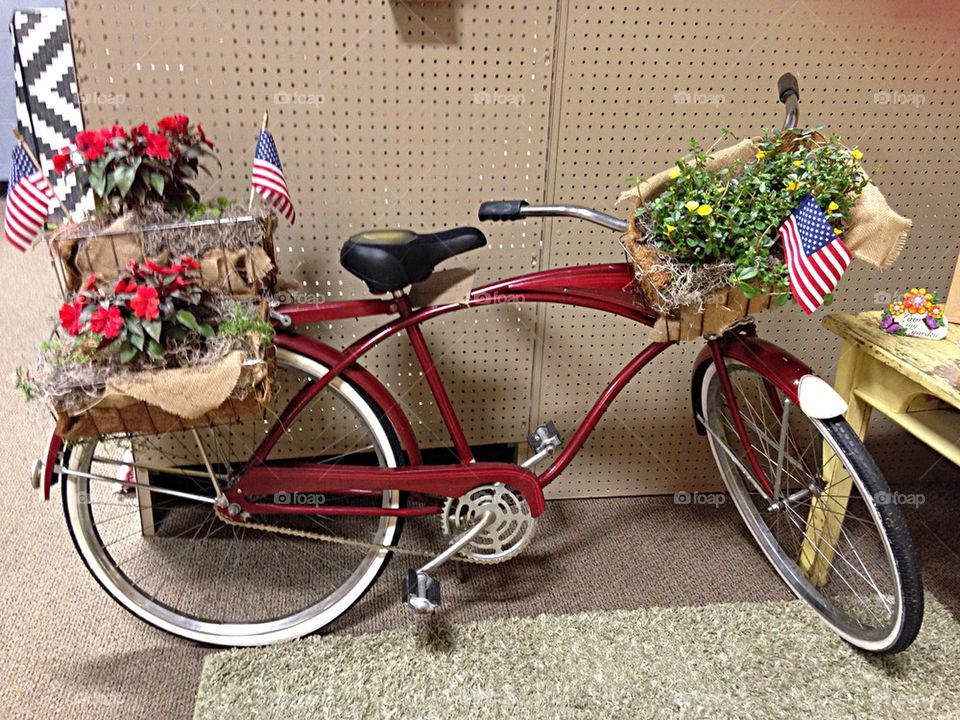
pixel 48 102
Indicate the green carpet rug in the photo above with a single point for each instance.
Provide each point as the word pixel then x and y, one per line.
pixel 765 660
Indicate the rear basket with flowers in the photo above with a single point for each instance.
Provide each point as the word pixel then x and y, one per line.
pixel 164 325
pixel 704 235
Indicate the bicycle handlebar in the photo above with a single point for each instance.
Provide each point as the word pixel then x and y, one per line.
pixel 788 91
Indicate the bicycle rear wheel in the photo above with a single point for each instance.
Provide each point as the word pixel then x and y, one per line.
pixel 825 522
pixel 174 564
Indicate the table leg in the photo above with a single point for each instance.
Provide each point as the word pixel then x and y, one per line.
pixel 826 513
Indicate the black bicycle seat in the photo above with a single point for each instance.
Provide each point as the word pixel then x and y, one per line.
pixel 388 260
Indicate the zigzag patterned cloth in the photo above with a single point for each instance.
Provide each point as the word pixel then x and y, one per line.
pixel 48 102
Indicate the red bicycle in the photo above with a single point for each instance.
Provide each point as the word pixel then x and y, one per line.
pixel 236 535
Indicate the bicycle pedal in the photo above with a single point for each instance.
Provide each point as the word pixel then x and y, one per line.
pixel 546 438
pixel 421 593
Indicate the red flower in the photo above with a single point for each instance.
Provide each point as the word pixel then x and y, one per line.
pixel 124 286
pixel 70 318
pixel 140 130
pixel 89 284
pixel 146 303
pixel 159 269
pixel 189 263
pixel 61 160
pixel 176 124
pixel 108 322
pixel 91 143
pixel 203 135
pixel 117 131
pixel 158 146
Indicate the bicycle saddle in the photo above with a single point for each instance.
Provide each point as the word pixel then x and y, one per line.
pixel 388 260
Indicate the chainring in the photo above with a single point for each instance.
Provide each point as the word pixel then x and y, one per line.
pixel 505 537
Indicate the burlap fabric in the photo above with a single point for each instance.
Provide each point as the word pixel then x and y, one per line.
pixel 159 401
pixel 243 272
pixel 875 234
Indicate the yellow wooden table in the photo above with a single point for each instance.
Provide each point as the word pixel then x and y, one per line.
pixel 914 382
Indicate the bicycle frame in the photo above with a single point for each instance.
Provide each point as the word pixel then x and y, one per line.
pixel 597 287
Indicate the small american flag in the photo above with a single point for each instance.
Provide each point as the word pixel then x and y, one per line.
pixel 268 179
pixel 816 256
pixel 28 201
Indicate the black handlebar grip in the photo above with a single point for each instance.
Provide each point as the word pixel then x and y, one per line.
pixel 497 210
pixel 787 85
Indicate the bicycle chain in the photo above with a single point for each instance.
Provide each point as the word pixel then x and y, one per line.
pixel 336 539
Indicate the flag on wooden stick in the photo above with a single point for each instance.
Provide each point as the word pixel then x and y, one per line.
pixel 816 256
pixel 28 201
pixel 268 178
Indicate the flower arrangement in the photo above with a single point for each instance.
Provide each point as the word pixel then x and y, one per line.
pixel 715 228
pixel 130 169
pixel 155 317
pixel 149 306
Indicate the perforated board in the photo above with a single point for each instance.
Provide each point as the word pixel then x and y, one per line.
pixel 639 80
pixel 385 115
pixel 393 114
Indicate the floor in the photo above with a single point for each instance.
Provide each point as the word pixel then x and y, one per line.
pixel 69 650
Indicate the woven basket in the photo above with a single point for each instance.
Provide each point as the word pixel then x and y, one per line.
pixel 720 310
pixel 122 414
pixel 242 268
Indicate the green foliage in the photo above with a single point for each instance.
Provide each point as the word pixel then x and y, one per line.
pixel 734 214
pixel 25 384
pixel 241 322
pixel 201 211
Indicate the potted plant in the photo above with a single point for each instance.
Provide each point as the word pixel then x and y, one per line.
pixel 703 237
pixel 141 180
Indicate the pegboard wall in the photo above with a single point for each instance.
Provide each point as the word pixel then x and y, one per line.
pixel 397 114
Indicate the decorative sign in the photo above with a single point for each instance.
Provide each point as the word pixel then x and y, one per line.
pixel 918 314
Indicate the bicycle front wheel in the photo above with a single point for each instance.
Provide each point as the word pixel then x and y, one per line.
pixel 173 563
pixel 822 514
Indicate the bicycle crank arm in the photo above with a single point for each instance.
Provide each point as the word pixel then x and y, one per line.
pixel 420 592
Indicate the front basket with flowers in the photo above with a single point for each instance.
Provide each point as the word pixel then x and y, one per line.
pixel 164 326
pixel 704 237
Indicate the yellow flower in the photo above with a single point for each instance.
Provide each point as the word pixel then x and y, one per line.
pixel 691 205
pixel 670 228
pixel 857 155
pixel 793 185
pixel 761 154
pixel 832 206
pixel 895 308
pixel 675 173
pixel 936 311
pixel 837 231
pixel 798 163
pixel 704 210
